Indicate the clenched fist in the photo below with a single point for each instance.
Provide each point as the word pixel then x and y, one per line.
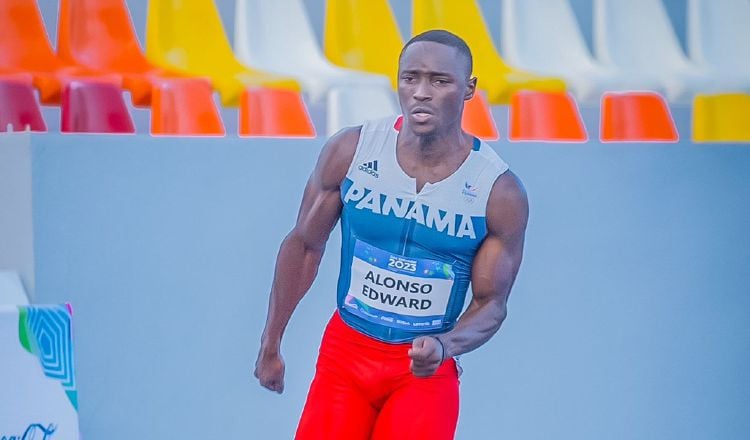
pixel 269 369
pixel 426 353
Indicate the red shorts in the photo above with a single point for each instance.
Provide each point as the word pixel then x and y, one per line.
pixel 363 389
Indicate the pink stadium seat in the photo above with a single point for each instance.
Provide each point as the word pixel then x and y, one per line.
pixel 19 110
pixel 94 107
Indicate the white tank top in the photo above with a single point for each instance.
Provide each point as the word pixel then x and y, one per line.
pixel 406 256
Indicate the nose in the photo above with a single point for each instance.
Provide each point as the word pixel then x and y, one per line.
pixel 422 91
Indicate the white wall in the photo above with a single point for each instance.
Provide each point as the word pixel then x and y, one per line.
pixel 16 240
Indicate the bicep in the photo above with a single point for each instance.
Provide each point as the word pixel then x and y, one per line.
pixel 321 202
pixel 318 213
pixel 497 262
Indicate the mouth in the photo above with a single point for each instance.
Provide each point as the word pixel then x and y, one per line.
pixel 421 114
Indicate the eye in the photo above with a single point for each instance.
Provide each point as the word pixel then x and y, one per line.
pixel 441 81
pixel 407 78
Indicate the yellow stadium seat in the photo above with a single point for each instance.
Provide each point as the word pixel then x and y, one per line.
pixel 464 18
pixel 363 35
pixel 721 118
pixel 188 36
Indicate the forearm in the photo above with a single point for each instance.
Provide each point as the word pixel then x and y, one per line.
pixel 296 267
pixel 477 325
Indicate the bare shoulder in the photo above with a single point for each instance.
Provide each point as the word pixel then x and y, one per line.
pixel 336 156
pixel 508 206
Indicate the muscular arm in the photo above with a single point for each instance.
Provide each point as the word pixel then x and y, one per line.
pixel 301 251
pixel 493 273
pixel 495 267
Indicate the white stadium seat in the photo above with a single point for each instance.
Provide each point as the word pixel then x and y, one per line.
pixel 543 36
pixel 636 37
pixel 277 36
pixel 718 39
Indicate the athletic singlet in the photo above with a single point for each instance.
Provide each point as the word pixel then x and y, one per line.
pixel 406 256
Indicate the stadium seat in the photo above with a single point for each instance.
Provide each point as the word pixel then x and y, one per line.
pixel 185 107
pixel 24 48
pixel 543 36
pixel 277 37
pixel 99 35
pixel 19 110
pixel 544 116
pixel 477 118
pixel 188 36
pixel 345 105
pixel 266 112
pixel 464 18
pixel 636 38
pixel 718 38
pixel 363 35
pixel 90 107
pixel 721 118
pixel 636 117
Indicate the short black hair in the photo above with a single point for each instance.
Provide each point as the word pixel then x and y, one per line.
pixel 446 38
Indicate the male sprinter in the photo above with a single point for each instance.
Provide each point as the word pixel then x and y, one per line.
pixel 425 209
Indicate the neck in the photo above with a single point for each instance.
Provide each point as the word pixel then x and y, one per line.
pixel 433 148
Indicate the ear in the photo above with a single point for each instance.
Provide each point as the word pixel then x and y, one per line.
pixel 471 88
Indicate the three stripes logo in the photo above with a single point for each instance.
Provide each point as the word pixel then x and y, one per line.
pixel 370 168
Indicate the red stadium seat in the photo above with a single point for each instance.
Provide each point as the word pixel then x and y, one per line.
pixel 19 110
pixel 91 107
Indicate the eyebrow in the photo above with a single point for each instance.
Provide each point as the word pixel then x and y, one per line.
pixel 429 72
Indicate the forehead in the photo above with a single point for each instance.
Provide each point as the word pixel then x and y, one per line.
pixel 434 57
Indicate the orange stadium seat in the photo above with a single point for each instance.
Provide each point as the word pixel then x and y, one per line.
pixel 464 18
pixel 477 118
pixel 636 117
pixel 19 110
pixel 364 35
pixel 24 48
pixel 94 108
pixel 185 107
pixel 99 35
pixel 263 112
pixel 538 116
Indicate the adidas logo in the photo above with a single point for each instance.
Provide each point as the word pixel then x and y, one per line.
pixel 370 168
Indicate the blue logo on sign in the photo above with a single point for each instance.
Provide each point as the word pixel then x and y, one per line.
pixel 35 431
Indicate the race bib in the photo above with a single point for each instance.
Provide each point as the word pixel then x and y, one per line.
pixel 398 291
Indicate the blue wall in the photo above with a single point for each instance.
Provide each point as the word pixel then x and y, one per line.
pixel 628 320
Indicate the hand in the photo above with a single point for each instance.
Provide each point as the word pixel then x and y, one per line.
pixel 269 369
pixel 426 355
